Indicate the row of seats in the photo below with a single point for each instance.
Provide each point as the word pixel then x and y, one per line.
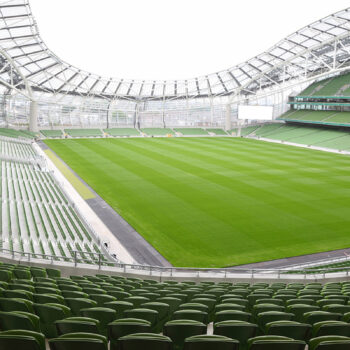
pixel 21 134
pixel 131 132
pixel 36 216
pixel 150 341
pixel 17 150
pixel 328 117
pixel 313 136
pixel 334 86
pixel 148 313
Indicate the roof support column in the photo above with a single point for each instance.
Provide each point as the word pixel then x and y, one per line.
pixel 33 116
pixel 228 117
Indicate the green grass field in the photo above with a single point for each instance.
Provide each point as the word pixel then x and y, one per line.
pixel 214 202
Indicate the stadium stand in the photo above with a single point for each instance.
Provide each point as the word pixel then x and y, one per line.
pixel 319 117
pixel 83 132
pixel 191 131
pixel 52 133
pixel 95 311
pixel 16 150
pixel 36 217
pixel 245 131
pixel 122 132
pixel 158 131
pixel 17 133
pixel 334 86
pixel 338 139
pixel 219 132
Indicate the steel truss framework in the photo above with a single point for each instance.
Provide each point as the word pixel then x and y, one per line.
pixel 36 82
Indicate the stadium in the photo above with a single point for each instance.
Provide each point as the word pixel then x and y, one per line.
pixel 199 214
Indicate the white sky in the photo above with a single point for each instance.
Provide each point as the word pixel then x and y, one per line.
pixel 169 39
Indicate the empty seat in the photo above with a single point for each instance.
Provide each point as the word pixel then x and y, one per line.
pixel 145 341
pixel 239 330
pixel 122 327
pixel 22 339
pixel 179 330
pixel 274 342
pixel 330 342
pixel 210 342
pixel 79 341
pixel 76 325
pixel 19 320
pixel 102 314
pixel 291 329
pixel 331 328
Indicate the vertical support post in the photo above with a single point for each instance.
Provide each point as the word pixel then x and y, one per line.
pixel 33 116
pixel 75 258
pixel 99 261
pixel 228 117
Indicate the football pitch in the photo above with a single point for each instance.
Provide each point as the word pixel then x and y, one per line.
pixel 215 202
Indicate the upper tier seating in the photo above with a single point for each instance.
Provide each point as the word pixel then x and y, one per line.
pixel 334 86
pixel 35 300
pixel 318 117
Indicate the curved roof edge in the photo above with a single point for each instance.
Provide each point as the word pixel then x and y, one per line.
pixel 319 47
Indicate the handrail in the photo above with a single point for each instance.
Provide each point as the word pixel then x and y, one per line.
pixel 98 261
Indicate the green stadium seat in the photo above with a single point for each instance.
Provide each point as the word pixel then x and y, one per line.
pixel 53 273
pixel 270 316
pixel 330 342
pixel 291 329
pixel 312 317
pixel 76 304
pixel 238 330
pixel 79 341
pixel 19 320
pixel 331 328
pixel 188 314
pixel 48 314
pixel 232 315
pixel 102 314
pixel 179 330
pixel 210 342
pixel 48 298
pixel 149 315
pixel 122 327
pixel 145 341
pixel 194 306
pixel 274 342
pixel 77 325
pixel 22 339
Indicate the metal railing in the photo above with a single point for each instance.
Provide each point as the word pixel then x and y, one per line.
pixel 98 262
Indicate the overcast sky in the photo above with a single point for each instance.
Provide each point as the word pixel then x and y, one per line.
pixel 163 39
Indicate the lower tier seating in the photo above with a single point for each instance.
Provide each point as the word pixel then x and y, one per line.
pixel 122 132
pixel 158 131
pixel 191 131
pixel 52 133
pixel 314 136
pixel 83 132
pixel 111 311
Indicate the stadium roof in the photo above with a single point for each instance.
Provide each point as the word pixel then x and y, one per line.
pixel 319 47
